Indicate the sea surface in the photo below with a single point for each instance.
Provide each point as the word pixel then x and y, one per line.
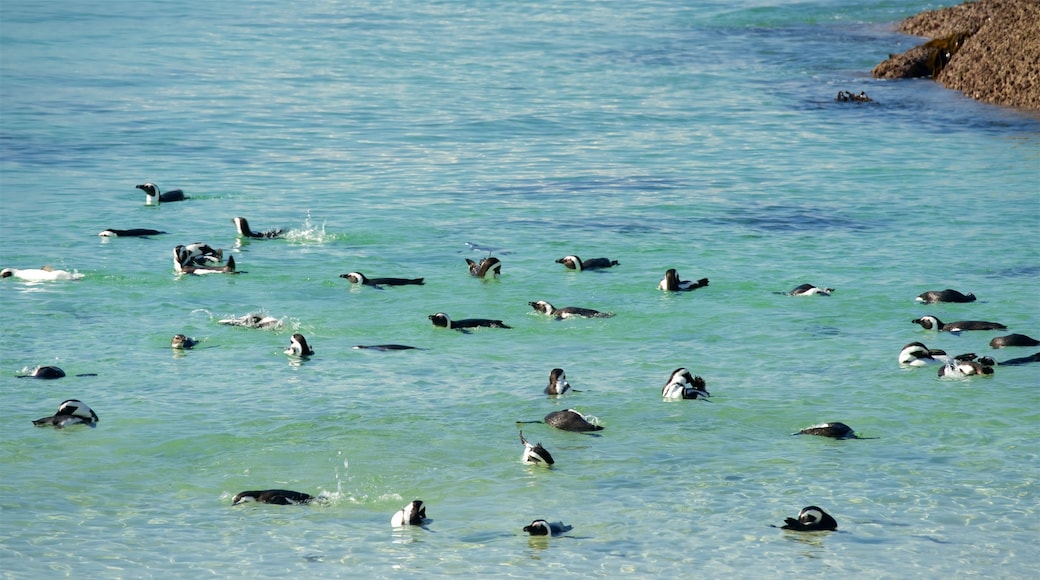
pixel 399 138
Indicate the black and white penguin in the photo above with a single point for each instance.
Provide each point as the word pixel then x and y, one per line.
pixel 186 265
pixel 243 230
pixel 811 519
pixel 558 384
pixel 254 320
pixel 129 233
pixel 547 528
pixel 571 420
pixel 273 496
pixel 1013 340
pixel 413 514
pixel 182 342
pixel 44 274
pixel 947 295
pixel 567 311
pixel 70 412
pixel 967 365
pixel 535 454
pixel 47 372
pixel 1021 360
pixel 359 278
pixel 834 430
pixel 576 263
pixel 152 196
pixel 683 385
pixel 199 254
pixel 444 321
pixel 672 283
pixel 298 346
pixel 810 290
pixel 383 347
pixel 489 267
pixel 916 354
pixel 932 323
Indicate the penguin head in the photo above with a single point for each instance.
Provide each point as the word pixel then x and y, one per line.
pixel 440 319
pixel 542 306
pixel 538 528
pixel 570 262
pixel 355 277
pixel 814 517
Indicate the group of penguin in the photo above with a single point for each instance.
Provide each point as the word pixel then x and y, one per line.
pixel 199 258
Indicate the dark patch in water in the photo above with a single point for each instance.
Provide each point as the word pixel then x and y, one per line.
pixel 1016 272
pixel 779 218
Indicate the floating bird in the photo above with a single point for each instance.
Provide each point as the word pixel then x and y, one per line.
pixel 489 267
pixel 180 253
pixel 683 385
pixel 198 254
pixel 243 230
pixel 535 454
pixel 1013 340
pixel 413 514
pixel 153 196
pixel 835 430
pixel 1022 360
pixel 546 528
pixel 359 278
pixel 916 354
pixel 948 295
pixel 967 365
pixel 932 323
pixel 180 341
pixel 70 412
pixel 298 346
pixel 273 496
pixel 44 372
pixel 442 320
pixel 44 274
pixel 811 519
pixel 384 346
pixel 254 320
pixel 558 384
pixel 672 283
pixel 576 263
pixel 810 290
pixel 130 233
pixel 571 420
pixel 568 311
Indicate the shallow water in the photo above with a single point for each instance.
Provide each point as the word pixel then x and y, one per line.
pixel 385 137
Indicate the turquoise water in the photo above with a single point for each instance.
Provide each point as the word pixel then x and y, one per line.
pixel 384 137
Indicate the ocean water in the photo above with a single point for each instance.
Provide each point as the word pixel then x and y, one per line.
pixel 385 137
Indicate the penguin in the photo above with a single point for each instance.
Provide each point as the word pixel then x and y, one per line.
pixel 546 528
pixel 811 519
pixel 273 496
pixel 967 365
pixel 535 454
pixel 571 420
pixel 489 267
pixel 254 320
pixel 442 320
pixel 947 295
pixel 413 514
pixel 834 430
pixel 46 372
pixel 576 263
pixel 932 323
pixel 1021 360
pixel 1013 340
pixel 70 412
pixel 129 233
pixel 672 283
pixel 359 278
pixel 568 311
pixel 384 347
pixel 683 385
pixel 916 354
pixel 243 230
pixel 44 274
pixel 198 254
pixel 152 196
pixel 182 342
pixel 184 264
pixel 298 346
pixel 558 384
pixel 810 290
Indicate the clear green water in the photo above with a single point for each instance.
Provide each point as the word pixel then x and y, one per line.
pixel 699 136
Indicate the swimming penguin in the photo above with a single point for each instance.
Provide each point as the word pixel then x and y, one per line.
pixel 273 496
pixel 558 384
pixel 442 320
pixel 576 263
pixel 967 365
pixel 916 354
pixel 298 346
pixel 489 267
pixel 535 454
pixel 413 514
pixel 384 347
pixel 254 320
pixel 835 430
pixel 359 278
pixel 672 283
pixel 932 323
pixel 571 420
pixel 70 412
pixel 1013 340
pixel 811 519
pixel 810 290
pixel 567 311
pixel 179 254
pixel 198 254
pixel 948 295
pixel 1021 360
pixel 243 230
pixel 546 528
pixel 683 385
pixel 153 197
pixel 130 233
pixel 181 342
pixel 44 274
pixel 44 372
